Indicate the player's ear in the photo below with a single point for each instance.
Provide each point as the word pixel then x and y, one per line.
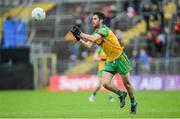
pixel 101 21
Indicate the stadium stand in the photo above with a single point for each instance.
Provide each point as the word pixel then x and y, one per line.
pixel 48 36
pixel 136 31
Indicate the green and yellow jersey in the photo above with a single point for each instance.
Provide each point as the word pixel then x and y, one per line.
pixel 102 57
pixel 109 43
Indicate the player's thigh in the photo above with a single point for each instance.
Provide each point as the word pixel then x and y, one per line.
pixel 123 64
pixel 106 77
pixel 126 78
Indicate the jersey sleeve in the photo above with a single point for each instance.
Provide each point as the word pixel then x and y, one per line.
pixel 103 32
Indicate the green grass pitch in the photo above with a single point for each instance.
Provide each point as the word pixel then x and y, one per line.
pixel 45 104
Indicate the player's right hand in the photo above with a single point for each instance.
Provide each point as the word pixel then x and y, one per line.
pixel 76 32
pixel 75 29
pixel 75 35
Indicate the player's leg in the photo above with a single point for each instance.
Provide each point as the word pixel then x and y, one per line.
pixel 92 96
pixel 98 87
pixel 124 67
pixel 107 83
pixel 111 99
pixel 128 86
pixel 110 94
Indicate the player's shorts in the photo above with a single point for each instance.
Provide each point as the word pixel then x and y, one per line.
pixel 121 65
pixel 100 73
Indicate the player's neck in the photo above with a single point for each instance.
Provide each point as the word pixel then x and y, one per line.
pixel 101 25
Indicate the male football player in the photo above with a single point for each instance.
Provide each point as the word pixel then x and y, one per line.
pixel 117 61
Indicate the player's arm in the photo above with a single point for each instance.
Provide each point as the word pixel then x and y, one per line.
pixel 86 43
pixel 75 30
pixel 99 34
pixel 91 38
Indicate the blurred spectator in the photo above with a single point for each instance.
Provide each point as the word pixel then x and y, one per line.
pixel 150 43
pixel 107 12
pixel 168 42
pixel 144 62
pixel 126 4
pixel 78 22
pixel 157 13
pixel 86 17
pixel 177 30
pixel 78 11
pixel 131 12
pixel 136 5
pixel 74 51
pixel 155 28
pixel 114 11
pixel 160 44
pixel 146 11
pixel 178 8
pixel 135 61
pixel 159 38
pixel 177 25
pixel 110 13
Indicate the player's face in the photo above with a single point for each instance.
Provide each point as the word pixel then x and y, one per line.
pixel 96 21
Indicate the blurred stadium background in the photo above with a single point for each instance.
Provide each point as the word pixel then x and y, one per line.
pixel 37 55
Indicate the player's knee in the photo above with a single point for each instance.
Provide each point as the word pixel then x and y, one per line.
pixel 127 84
pixel 105 84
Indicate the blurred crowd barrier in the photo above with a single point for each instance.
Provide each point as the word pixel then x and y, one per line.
pixel 89 82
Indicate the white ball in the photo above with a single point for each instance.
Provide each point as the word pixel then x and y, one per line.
pixel 38 14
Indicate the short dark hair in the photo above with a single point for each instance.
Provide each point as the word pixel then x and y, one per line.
pixel 100 15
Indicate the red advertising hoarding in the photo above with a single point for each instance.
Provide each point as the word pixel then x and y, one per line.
pixel 78 82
